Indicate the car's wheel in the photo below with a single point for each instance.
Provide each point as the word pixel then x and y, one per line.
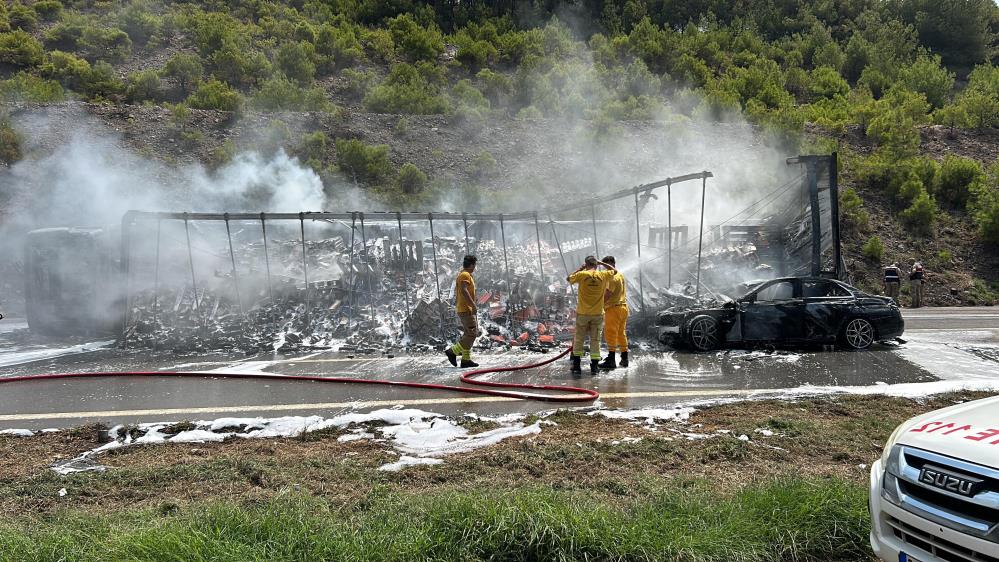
pixel 702 333
pixel 858 334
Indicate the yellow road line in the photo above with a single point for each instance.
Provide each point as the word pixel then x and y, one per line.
pixel 357 405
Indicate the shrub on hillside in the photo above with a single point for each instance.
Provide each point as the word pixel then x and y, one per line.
pixel 827 83
pixel 101 43
pixel 103 82
pixel 17 48
pixel 921 214
pixel 411 179
pixel 235 65
pixel 47 9
pixel 139 23
pixel 852 207
pixel 406 90
pixel 280 94
pixel 359 82
pixel 144 86
pixel 338 46
pixel 28 87
pixel 983 204
pixel 313 149
pixel 10 143
pixel 70 70
pixel 186 69
pixel 928 77
pixel 379 41
pixel 363 163
pixel 482 165
pixel 297 61
pixel 873 249
pixel 66 34
pixel 956 176
pixel 215 94
pixel 20 16
pixel 414 40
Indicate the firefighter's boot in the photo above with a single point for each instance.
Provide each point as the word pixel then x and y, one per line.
pixel 609 362
pixel 576 369
pixel 594 366
pixel 452 357
pixel 624 359
pixel 466 363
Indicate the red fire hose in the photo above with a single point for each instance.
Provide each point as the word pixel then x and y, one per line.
pixel 576 394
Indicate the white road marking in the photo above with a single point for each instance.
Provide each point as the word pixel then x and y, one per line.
pixel 358 404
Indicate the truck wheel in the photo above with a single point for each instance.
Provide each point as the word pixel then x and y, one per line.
pixel 858 334
pixel 702 333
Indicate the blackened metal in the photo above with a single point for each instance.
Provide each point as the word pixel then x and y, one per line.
pixel 190 261
pixel 669 236
pixel 834 200
pixel 700 238
pixel 638 245
pixel 267 258
pixel 351 296
pixel 593 219
pixel 366 260
pixel 816 213
pixel 305 268
pixel 506 267
pixel 402 254
pixel 437 277
pixel 235 272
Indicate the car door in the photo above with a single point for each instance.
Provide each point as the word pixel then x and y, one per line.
pixel 827 303
pixel 773 312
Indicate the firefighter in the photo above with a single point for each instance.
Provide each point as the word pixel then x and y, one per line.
pixel 916 285
pixel 891 281
pixel 615 319
pixel 589 309
pixel 465 306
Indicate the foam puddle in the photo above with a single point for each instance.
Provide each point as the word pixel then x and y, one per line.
pixel 30 355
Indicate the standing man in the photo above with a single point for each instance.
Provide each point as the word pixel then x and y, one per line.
pixel 464 290
pixel 916 285
pixel 615 319
pixel 891 281
pixel 589 310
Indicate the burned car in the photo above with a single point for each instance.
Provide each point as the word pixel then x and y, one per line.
pixel 790 310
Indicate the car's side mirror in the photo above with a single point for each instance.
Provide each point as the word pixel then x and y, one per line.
pixel 729 304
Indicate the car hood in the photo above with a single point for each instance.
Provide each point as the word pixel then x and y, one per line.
pixel 968 431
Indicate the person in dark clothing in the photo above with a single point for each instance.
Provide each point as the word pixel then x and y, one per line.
pixel 892 281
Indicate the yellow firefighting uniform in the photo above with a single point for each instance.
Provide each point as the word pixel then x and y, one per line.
pixel 466 316
pixel 616 314
pixel 589 309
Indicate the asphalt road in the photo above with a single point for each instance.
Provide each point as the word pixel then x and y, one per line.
pixel 941 343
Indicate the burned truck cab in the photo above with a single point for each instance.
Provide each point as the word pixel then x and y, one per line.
pixel 72 282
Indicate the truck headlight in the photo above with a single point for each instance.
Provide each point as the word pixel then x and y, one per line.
pixel 892 439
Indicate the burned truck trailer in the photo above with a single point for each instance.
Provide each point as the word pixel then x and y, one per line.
pixel 72 281
pixel 369 281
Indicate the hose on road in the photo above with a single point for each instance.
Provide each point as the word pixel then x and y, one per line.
pixel 513 390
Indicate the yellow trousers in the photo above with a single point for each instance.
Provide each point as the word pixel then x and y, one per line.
pixel 588 325
pixel 615 322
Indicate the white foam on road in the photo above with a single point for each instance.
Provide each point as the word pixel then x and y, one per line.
pixel 31 354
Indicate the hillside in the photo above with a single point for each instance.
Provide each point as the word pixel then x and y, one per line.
pixel 500 105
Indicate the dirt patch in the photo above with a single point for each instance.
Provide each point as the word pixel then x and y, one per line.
pixel 819 437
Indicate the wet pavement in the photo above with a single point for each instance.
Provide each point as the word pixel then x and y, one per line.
pixel 940 345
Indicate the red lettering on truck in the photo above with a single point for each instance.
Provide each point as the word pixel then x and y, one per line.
pixel 983 435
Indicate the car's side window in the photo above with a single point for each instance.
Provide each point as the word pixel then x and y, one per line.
pixel 777 292
pixel 818 289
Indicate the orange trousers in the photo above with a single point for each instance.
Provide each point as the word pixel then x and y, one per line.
pixel 615 322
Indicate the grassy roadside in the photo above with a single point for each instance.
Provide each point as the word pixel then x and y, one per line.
pixel 791 519
pixel 586 488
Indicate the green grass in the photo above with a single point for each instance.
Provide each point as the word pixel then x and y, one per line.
pixel 785 519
